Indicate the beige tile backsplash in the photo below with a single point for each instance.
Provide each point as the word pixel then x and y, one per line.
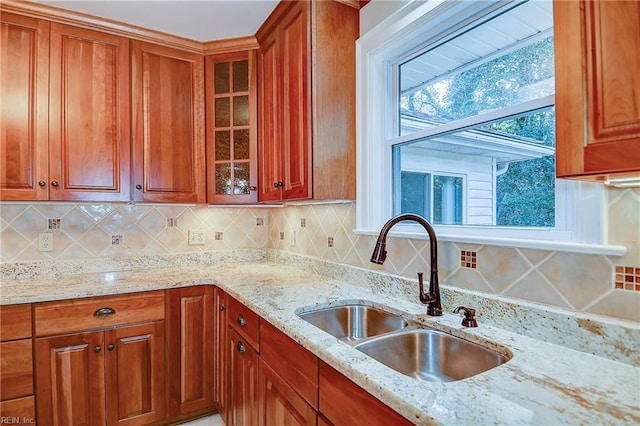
pixel 577 282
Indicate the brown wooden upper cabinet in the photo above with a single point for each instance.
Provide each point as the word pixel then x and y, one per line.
pixel 597 88
pixel 168 124
pixel 65 112
pixel 306 102
pixel 232 139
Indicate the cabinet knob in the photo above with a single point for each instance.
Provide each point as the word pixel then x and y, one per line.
pixel 54 183
pixel 241 348
pixel 97 349
pixel 221 307
pixel 241 320
pixel 277 184
pixel 42 183
pixel 111 347
pixel 138 187
pixel 253 188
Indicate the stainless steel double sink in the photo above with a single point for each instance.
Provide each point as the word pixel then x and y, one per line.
pixel 421 353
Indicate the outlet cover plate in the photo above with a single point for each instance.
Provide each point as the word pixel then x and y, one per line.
pixel 45 241
pixel 196 237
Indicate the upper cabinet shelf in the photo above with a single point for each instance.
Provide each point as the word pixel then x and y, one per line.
pixel 597 89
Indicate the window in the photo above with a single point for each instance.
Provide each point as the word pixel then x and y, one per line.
pixel 456 123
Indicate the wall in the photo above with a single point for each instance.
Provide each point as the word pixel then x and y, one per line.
pixel 94 230
pixel 575 282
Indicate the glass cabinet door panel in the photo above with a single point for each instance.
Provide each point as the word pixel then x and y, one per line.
pixel 241 110
pixel 241 144
pixel 223 145
pixel 241 181
pixel 221 78
pixel 241 76
pixel 223 112
pixel 223 178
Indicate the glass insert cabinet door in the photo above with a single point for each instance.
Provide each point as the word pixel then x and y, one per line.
pixel 231 128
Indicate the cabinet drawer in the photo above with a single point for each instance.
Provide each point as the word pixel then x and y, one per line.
pixel 244 321
pixel 296 365
pixel 15 322
pixel 97 312
pixel 16 369
pixel 21 408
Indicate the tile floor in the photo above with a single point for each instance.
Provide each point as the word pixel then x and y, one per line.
pixel 214 420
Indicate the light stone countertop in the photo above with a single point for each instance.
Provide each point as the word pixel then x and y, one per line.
pixel 543 384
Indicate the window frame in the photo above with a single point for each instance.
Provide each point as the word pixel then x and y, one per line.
pixel 580 224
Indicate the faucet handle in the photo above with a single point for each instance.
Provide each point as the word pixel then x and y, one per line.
pixel 469 319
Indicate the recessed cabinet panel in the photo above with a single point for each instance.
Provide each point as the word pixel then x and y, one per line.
pixel 168 106
pixel 597 88
pixel 24 84
pixel 231 128
pixel 89 116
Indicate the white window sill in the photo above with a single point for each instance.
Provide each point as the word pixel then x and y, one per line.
pixel 562 246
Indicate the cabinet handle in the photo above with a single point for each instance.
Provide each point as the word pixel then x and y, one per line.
pixel 97 349
pixel 241 320
pixel 138 187
pixel 54 183
pixel 42 183
pixel 221 307
pixel 103 312
pixel 111 347
pixel 241 348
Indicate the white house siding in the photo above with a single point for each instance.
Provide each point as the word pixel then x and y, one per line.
pixel 477 172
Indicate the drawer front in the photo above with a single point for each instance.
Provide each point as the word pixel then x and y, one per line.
pixel 296 365
pixel 244 321
pixel 16 369
pixel 20 408
pixel 68 316
pixel 15 322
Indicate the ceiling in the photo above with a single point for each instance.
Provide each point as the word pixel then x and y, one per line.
pixel 200 20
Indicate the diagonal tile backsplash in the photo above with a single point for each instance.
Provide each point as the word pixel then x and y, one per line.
pixel 93 230
pixel 594 284
pixel 577 282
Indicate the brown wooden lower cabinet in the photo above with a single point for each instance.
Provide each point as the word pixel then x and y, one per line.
pixel 242 396
pixel 16 366
pixel 190 333
pixel 343 402
pixel 113 377
pixel 220 348
pixel 280 404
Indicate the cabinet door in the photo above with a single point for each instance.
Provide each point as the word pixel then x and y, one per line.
pixel 232 152
pixel 135 379
pixel 70 379
pixel 597 87
pixel 190 333
pixel 242 403
pixel 342 402
pixel 297 100
pixel 279 403
pixel 168 124
pixel 270 106
pixel 24 84
pixel 89 132
pixel 220 352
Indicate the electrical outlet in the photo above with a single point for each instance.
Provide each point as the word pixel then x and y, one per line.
pixel 292 238
pixel 45 241
pixel 196 237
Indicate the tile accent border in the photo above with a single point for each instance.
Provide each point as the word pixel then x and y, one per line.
pixel 627 278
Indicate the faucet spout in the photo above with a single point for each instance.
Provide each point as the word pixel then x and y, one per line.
pixel 379 255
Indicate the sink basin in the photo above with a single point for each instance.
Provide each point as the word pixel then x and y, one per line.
pixel 431 355
pixel 354 322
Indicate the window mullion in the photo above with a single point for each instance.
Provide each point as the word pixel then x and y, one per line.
pixel 513 111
